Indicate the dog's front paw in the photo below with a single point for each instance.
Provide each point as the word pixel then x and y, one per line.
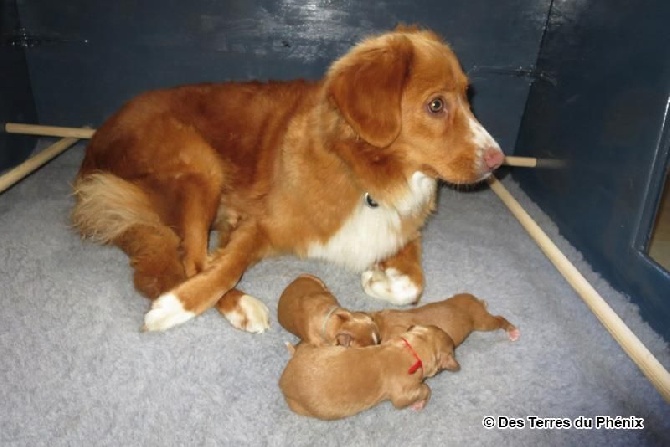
pixel 390 285
pixel 250 314
pixel 166 311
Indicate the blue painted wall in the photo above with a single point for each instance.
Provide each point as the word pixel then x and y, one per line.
pixel 605 115
pixel 16 98
pixel 97 54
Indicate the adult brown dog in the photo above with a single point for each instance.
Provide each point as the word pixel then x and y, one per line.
pixel 343 169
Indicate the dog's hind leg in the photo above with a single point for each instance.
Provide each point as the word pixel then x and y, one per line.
pixel 246 246
pixel 484 321
pixel 154 255
pixel 194 201
pixel 110 210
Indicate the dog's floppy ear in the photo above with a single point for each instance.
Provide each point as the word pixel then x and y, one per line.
pixel 366 86
pixel 449 362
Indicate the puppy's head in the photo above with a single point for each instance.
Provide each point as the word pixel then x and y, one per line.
pixel 435 347
pixel 355 329
pixel 404 94
pixel 305 286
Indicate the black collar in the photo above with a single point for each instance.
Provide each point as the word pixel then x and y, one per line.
pixel 369 201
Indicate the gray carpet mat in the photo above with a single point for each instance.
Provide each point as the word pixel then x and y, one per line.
pixel 75 369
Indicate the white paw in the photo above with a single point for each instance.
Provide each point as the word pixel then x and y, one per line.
pixel 390 285
pixel 166 312
pixel 250 315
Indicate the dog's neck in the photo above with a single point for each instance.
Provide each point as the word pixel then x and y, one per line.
pixel 418 364
pixel 388 182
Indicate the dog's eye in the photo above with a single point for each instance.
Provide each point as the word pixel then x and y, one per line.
pixel 436 105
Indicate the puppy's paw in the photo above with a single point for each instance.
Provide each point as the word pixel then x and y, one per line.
pixel 513 334
pixel 166 311
pixel 250 314
pixel 390 285
pixel 419 405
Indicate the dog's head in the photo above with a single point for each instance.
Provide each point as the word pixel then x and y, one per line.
pixel 435 347
pixel 355 329
pixel 304 285
pixel 403 95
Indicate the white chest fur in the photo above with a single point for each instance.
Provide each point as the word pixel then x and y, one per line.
pixel 372 234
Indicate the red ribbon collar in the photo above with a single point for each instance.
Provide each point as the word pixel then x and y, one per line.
pixel 418 364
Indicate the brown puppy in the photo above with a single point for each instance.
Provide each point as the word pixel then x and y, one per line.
pixel 344 169
pixel 334 382
pixel 308 310
pixel 458 316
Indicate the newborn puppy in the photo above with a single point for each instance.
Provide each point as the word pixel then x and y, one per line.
pixel 458 316
pixel 307 309
pixel 333 382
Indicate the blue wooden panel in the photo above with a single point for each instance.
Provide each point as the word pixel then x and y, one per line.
pixel 605 115
pixel 101 53
pixel 16 98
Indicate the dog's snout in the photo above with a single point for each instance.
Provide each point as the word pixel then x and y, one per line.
pixel 493 157
pixel 490 157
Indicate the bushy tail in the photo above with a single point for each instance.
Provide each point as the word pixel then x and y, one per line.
pixel 110 210
pixel 107 206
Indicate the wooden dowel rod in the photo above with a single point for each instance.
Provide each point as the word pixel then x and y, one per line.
pixel 638 352
pixel 522 162
pixel 76 132
pixel 14 175
pixel 49 131
pixel 82 132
